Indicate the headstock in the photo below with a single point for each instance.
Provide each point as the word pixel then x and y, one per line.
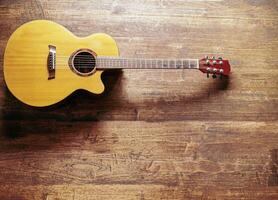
pixel 214 66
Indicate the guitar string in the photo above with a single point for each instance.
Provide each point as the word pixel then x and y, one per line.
pixel 109 63
pixel 143 61
pixel 178 62
pixel 105 57
pixel 123 61
pixel 115 58
pixel 105 62
pixel 113 62
pixel 112 67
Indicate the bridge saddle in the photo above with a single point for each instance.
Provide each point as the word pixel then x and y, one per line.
pixel 51 62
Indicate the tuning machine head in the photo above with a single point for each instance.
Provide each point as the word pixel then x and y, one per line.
pixel 207 60
pixel 214 66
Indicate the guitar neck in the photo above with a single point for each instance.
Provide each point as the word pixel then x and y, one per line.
pixel 132 63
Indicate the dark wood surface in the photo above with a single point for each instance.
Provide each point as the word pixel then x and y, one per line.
pixel 157 134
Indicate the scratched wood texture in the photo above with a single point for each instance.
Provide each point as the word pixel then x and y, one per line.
pixel 153 134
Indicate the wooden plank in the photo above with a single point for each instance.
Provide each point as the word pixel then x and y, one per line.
pixel 168 153
pixel 132 192
pixel 152 134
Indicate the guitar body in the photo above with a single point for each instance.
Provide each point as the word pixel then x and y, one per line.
pixel 25 62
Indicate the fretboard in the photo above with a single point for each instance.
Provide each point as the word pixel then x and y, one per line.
pixel 130 63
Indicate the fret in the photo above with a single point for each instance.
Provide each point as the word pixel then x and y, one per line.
pixel 159 63
pixel 115 63
pixel 172 64
pixel 165 64
pixel 143 64
pixel 123 63
pixel 129 61
pixel 134 63
pixel 178 64
pixel 126 63
pixel 118 63
pixel 185 64
pixel 139 63
pixel 153 64
pixel 110 64
pixel 149 64
pixel 192 64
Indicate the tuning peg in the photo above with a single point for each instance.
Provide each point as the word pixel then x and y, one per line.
pixel 220 58
pixel 214 62
pixel 207 75
pixel 220 76
pixel 213 58
pixel 214 76
pixel 206 57
pixel 220 62
pixel 207 62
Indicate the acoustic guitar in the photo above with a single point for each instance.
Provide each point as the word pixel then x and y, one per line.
pixel 44 63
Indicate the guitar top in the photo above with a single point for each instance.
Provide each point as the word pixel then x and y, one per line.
pixel 44 63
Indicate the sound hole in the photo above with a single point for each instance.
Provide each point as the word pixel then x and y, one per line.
pixel 84 62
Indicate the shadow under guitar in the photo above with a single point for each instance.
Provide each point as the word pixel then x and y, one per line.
pixel 19 119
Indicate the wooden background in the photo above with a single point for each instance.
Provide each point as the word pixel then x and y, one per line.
pixel 153 134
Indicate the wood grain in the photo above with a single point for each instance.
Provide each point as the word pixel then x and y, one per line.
pixel 152 134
